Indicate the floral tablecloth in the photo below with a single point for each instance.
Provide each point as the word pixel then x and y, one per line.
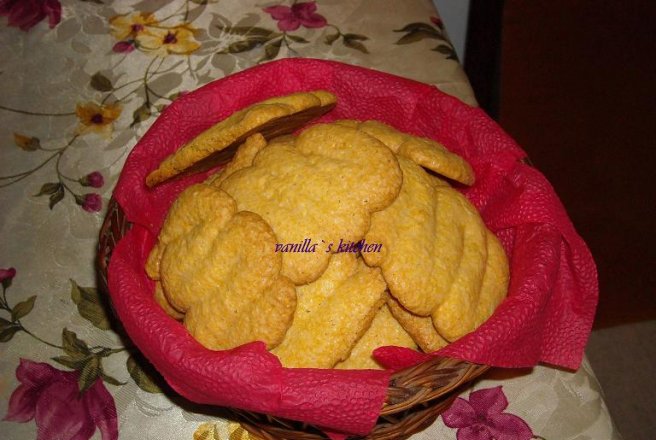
pixel 81 81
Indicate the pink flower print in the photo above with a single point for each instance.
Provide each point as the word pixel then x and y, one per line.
pixel 94 180
pixel 290 18
pixel 25 14
pixel 124 46
pixel 52 398
pixel 7 274
pixel 91 202
pixel 437 21
pixel 482 418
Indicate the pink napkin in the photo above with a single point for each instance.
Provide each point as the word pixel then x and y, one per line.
pixel 547 316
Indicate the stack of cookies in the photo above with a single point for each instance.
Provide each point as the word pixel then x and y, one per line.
pixel 326 244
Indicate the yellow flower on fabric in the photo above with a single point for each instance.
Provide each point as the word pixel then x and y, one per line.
pixel 131 25
pixel 97 118
pixel 160 41
pixel 207 431
pixel 210 431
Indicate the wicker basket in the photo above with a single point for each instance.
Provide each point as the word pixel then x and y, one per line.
pixel 415 396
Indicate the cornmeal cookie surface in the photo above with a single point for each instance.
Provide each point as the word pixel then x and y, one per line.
pixel 384 330
pixel 423 151
pixel 189 210
pixel 332 314
pixel 435 259
pixel 410 259
pixel 456 316
pixel 218 268
pixel 420 328
pixel 272 117
pixel 322 185
pixel 495 280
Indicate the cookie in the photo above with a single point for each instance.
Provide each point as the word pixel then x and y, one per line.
pixel 272 117
pixel 423 151
pixel 164 303
pixel 219 268
pixel 409 257
pixel 456 315
pixel 495 280
pixel 420 328
pixel 188 211
pixel 321 187
pixel 332 314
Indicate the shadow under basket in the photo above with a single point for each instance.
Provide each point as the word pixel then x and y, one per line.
pixel 415 395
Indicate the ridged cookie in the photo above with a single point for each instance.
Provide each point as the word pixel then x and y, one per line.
pixel 272 117
pixel 420 328
pixel 322 186
pixel 456 315
pixel 219 268
pixel 423 151
pixel 422 246
pixel 332 314
pixel 384 331
pixel 495 280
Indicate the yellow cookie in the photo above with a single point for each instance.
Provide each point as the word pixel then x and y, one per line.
pixel 188 211
pixel 423 151
pixel 422 243
pixel 387 135
pixel 456 315
pixel 420 328
pixel 164 303
pixel 219 275
pixel 449 236
pixel 495 280
pixel 434 156
pixel 237 317
pixel 321 187
pixel 272 117
pixel 332 314
pixel 219 268
pixel 384 331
